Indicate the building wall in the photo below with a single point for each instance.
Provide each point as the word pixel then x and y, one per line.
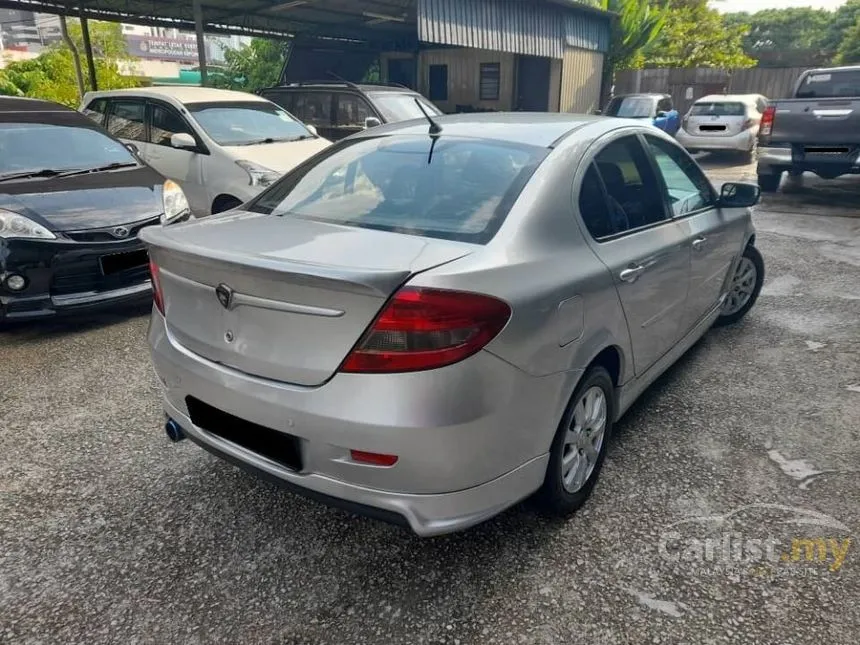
pixel 556 67
pixel 580 80
pixel 464 70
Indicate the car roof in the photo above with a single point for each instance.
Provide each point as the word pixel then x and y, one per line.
pixel 366 88
pixel 180 93
pixel 643 95
pixel 24 104
pixel 529 128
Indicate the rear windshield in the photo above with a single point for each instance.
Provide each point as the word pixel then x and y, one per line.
pixel 822 85
pixel 632 107
pixel 453 189
pixel 718 109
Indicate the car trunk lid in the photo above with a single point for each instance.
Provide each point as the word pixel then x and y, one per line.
pixel 818 122
pixel 282 298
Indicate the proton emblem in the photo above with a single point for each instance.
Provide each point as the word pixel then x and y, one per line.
pixel 120 231
pixel 225 295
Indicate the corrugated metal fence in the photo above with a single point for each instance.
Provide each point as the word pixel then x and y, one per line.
pixel 687 85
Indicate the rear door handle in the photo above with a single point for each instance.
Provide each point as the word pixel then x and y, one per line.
pixel 699 243
pixel 631 274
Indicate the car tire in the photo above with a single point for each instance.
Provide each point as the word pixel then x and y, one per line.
pixel 561 496
pixel 225 203
pixel 769 183
pixel 750 287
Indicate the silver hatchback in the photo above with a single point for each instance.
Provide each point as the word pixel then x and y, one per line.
pixel 429 322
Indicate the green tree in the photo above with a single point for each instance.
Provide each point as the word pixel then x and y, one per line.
pixel 252 67
pixel 105 37
pixel 849 49
pixel 694 35
pixel 844 20
pixel 793 36
pixel 638 25
pixel 51 76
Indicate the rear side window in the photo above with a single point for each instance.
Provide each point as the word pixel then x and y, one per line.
pixel 127 120
pixel 313 108
pixel 96 110
pixel 830 84
pixel 455 189
pixel 718 109
pixel 284 99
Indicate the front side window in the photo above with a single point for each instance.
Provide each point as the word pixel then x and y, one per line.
pixel 631 188
pixel 450 188
pixel 164 124
pixel 352 110
pixel 243 123
pixel 632 107
pixel 491 80
pixel 36 146
pixel 127 120
pixel 689 190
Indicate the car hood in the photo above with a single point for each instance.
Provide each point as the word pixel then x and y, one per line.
pixel 280 157
pixel 90 201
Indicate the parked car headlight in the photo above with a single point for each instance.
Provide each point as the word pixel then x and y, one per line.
pixel 259 175
pixel 175 204
pixel 13 225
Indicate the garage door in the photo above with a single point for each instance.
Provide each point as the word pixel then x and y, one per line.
pixel 580 80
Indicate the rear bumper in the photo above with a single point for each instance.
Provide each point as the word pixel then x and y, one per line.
pixel 472 438
pixel 774 160
pixel 64 277
pixel 742 142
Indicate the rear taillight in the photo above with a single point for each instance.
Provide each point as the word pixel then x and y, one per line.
pixel 157 295
pixel 422 329
pixel 767 120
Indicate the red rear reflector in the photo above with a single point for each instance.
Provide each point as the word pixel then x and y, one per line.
pixel 767 120
pixel 157 296
pixel 422 329
pixel 373 458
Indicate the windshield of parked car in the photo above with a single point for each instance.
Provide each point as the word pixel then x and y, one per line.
pixel 830 84
pixel 718 109
pixel 246 123
pixel 399 106
pixel 448 188
pixel 37 146
pixel 632 107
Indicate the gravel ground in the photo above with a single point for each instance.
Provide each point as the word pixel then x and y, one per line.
pixel 109 534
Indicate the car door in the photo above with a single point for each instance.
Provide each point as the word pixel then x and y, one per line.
pixel 182 165
pixel 644 248
pixel 715 235
pixel 126 120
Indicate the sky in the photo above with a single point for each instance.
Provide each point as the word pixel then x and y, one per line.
pixel 752 6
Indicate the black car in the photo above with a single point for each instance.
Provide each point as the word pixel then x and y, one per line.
pixel 338 109
pixel 72 201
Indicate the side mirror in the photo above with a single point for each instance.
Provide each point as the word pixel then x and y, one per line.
pixel 133 149
pixel 739 195
pixel 312 129
pixel 183 140
pixel 371 122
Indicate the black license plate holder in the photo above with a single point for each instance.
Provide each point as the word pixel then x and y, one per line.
pixel 119 262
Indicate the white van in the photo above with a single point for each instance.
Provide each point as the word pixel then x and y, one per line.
pixel 723 123
pixel 222 147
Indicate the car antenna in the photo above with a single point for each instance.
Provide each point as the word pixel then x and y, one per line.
pixel 435 130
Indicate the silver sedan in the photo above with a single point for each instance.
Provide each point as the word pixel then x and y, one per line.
pixel 429 322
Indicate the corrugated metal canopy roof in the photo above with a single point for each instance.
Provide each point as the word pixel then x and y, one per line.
pixel 364 20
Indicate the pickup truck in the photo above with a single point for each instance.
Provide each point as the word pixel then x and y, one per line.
pixel 816 131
